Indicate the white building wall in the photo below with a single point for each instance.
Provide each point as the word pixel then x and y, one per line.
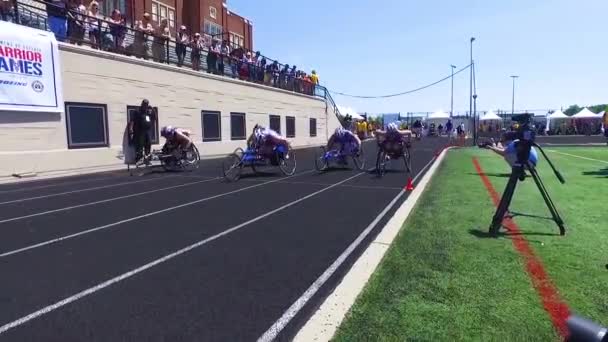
pixel 37 142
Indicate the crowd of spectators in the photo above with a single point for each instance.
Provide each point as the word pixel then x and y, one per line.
pixel 72 22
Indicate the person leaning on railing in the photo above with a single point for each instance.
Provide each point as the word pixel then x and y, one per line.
pixel 118 30
pixel 224 52
pixel 143 28
pixel 57 18
pixel 182 40
pixel 162 35
pixel 93 21
pixel 76 22
pixel 6 9
pixel 197 45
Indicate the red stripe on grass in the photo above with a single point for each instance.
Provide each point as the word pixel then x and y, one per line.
pixel 552 302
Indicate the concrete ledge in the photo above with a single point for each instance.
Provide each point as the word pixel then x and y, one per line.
pixel 325 321
pixel 174 68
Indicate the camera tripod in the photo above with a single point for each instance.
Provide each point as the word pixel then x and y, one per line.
pixel 518 172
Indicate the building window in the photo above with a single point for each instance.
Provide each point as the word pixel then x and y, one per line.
pixel 290 122
pixel 154 136
pixel 212 29
pixel 275 123
pixel 160 11
pixel 236 40
pixel 87 125
pixel 212 126
pixel 313 127
pixel 212 12
pixel 106 7
pixel 237 126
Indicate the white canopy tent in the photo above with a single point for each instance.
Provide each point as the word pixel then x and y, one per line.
pixel 558 114
pixel 585 114
pixel 601 114
pixel 555 117
pixel 439 115
pixel 349 111
pixel 490 116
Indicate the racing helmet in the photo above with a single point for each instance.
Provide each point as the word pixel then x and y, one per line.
pixel 392 127
pixel 166 131
pixel 340 131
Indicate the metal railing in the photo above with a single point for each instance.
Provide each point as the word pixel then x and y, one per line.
pixel 125 38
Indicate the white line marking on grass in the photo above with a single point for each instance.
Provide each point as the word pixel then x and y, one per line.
pixel 83 190
pixel 71 236
pixel 103 201
pixel 156 262
pixel 293 310
pixel 577 156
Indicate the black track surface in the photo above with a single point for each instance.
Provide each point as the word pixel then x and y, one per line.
pixel 229 289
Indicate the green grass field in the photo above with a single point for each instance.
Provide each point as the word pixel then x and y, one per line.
pixel 443 279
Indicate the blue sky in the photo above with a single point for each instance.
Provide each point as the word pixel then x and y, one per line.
pixel 558 47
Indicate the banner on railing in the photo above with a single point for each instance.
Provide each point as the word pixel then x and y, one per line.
pixel 30 73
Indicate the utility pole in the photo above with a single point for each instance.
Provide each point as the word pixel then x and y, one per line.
pixel 513 95
pixel 471 79
pixel 452 96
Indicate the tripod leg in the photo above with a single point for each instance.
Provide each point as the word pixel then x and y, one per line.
pixel 548 201
pixel 505 201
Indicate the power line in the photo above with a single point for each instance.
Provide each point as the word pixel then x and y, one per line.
pixel 405 92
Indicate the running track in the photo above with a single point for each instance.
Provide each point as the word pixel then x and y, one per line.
pixel 82 259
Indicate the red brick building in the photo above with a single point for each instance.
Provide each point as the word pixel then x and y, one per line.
pixel 210 17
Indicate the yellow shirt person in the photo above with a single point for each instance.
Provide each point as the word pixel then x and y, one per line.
pixel 314 78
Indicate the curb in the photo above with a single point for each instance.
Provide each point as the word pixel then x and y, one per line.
pixel 324 323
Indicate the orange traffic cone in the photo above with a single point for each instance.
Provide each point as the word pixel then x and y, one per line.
pixel 410 184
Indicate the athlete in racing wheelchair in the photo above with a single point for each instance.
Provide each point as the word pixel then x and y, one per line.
pixel 264 140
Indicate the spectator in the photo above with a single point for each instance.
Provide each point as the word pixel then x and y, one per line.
pixel 57 18
pixel 93 17
pixel 224 52
pixel 283 76
pixel 141 129
pixel 143 29
pixel 212 56
pixel 197 46
pixel 118 30
pixel 275 74
pixel 76 21
pixel 181 41
pixel 254 65
pixel 291 78
pixel 268 75
pixel 161 39
pixel 244 69
pixel 261 68
pixel 236 57
pixel 6 9
pixel 314 78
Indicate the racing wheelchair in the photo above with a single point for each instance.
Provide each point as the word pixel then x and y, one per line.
pixel 281 156
pixel 324 158
pixel 386 157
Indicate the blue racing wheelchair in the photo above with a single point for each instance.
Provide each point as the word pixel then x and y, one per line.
pixel 281 156
pixel 340 156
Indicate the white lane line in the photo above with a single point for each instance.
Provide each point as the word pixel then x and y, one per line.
pixel 52 185
pixel 577 156
pixel 156 262
pixel 88 231
pixel 85 189
pixel 272 332
pixel 371 187
pixel 104 201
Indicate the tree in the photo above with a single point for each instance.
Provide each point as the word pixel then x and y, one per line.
pixel 595 109
pixel 572 110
